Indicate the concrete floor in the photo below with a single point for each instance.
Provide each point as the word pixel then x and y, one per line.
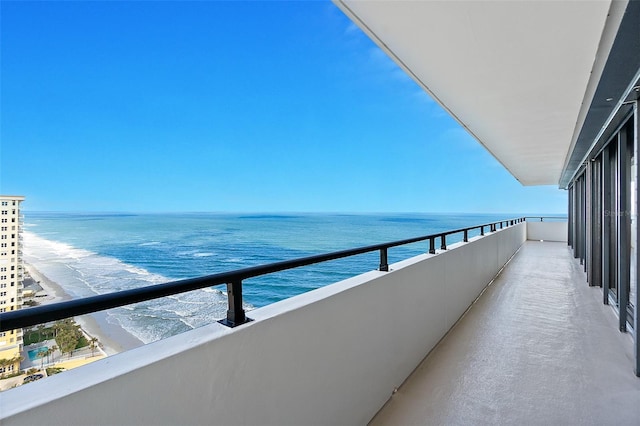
pixel 537 348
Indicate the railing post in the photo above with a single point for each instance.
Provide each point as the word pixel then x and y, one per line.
pixel 432 245
pixel 384 265
pixel 235 313
pixel 482 230
pixel 501 224
pixel 465 237
pixel 540 218
pixel 443 240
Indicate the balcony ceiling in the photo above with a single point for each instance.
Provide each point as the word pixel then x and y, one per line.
pixel 519 76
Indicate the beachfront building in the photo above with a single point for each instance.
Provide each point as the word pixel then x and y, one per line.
pixel 529 322
pixel 11 275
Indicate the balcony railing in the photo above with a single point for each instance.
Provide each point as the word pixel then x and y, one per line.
pixel 547 218
pixel 233 280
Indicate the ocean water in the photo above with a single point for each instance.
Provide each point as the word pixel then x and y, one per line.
pixel 89 254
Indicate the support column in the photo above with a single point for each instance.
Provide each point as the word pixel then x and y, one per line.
pixel 624 229
pixel 588 222
pixel 636 302
pixel 606 225
pixel 596 219
pixel 576 248
pixel 570 218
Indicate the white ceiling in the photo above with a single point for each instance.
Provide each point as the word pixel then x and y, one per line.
pixel 513 73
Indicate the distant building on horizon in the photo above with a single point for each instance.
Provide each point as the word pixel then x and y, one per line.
pixel 11 278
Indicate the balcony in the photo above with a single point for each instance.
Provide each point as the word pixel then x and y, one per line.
pixel 538 347
pixel 537 340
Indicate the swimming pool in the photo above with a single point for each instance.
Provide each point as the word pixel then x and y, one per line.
pixel 33 353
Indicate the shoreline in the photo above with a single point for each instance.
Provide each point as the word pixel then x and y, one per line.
pixel 112 337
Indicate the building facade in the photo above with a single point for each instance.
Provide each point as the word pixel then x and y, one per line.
pixel 11 278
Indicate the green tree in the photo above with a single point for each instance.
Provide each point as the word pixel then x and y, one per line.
pixel 93 344
pixel 54 348
pixel 67 341
pixel 41 355
pixel 27 333
pixel 68 335
pixel 48 353
pixel 4 362
pixel 65 324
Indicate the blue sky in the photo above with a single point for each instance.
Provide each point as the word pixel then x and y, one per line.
pixel 228 106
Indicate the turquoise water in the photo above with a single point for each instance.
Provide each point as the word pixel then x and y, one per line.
pixel 91 254
pixel 33 353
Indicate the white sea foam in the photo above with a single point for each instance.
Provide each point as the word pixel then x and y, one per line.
pixel 203 254
pixel 84 273
pixel 211 290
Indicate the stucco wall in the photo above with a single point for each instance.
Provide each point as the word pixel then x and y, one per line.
pixel 547 231
pixel 330 356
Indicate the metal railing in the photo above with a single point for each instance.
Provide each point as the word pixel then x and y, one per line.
pixel 233 279
pixel 548 218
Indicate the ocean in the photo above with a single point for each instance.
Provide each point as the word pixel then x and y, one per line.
pixel 89 254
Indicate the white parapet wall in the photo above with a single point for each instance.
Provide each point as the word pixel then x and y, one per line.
pixel 547 231
pixel 330 356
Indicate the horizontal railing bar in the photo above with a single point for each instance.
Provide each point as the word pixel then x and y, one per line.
pixel 61 310
pixel 547 217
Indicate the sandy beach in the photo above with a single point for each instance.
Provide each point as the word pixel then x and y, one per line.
pixel 112 337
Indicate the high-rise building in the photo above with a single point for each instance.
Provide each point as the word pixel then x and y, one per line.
pixel 11 276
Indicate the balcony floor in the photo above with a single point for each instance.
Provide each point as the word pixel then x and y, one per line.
pixel 538 347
